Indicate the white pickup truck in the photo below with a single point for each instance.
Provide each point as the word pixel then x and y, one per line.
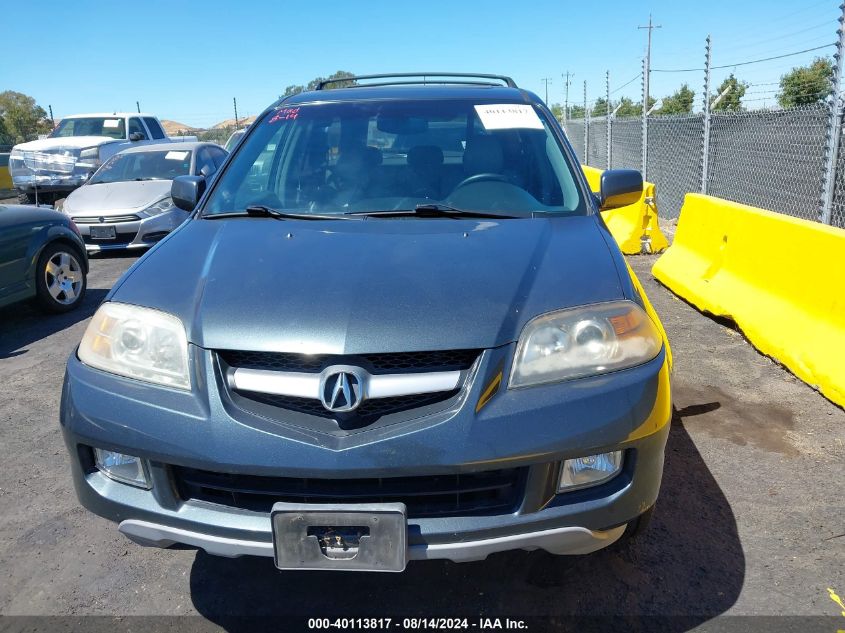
pixel 50 168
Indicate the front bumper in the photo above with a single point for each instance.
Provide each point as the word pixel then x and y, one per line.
pixel 48 182
pixel 140 233
pixel 534 428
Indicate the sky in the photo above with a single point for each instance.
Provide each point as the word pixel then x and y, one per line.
pixel 186 61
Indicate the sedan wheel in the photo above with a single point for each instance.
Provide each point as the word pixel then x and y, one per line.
pixel 61 279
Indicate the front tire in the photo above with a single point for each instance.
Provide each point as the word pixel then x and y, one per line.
pixel 60 280
pixel 26 198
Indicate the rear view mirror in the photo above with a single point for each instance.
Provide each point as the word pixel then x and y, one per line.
pixel 619 188
pixel 401 125
pixel 186 191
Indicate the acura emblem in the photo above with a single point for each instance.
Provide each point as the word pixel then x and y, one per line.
pixel 341 390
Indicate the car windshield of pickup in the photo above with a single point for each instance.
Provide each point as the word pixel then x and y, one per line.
pixel 113 127
pixel 379 156
pixel 153 165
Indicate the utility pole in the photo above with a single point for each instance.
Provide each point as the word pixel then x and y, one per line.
pixel 237 123
pixel 138 106
pixel 705 149
pixel 834 124
pixel 586 155
pixel 609 118
pixel 52 121
pixel 646 77
pixel 566 95
pixel 547 81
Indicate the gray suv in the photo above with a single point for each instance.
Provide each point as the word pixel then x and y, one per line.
pixel 394 327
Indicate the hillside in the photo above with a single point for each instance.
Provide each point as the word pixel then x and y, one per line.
pixel 244 121
pixel 174 128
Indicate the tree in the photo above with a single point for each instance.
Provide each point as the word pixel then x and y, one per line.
pixel 600 108
pixel 5 137
pixel 22 117
pixel 678 103
pixel 292 90
pixel 557 111
pixel 806 84
pixel 628 109
pixel 340 74
pixel 732 101
pixel 576 112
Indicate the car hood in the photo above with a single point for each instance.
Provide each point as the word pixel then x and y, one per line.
pixel 377 285
pixel 114 197
pixel 69 142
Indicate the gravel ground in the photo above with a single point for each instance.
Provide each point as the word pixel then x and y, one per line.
pixel 750 520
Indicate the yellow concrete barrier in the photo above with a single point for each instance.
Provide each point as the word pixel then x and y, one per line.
pixel 634 227
pixel 5 178
pixel 779 278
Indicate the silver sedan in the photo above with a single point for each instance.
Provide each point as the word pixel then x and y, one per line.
pixel 126 203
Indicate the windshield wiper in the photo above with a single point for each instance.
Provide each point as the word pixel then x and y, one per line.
pixel 262 211
pixel 434 210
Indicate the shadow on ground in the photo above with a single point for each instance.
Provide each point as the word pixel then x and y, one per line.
pixel 22 323
pixel 686 569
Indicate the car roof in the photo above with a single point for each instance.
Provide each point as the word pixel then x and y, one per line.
pixel 108 114
pixel 159 147
pixel 435 91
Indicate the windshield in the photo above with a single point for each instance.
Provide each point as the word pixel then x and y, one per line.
pixel 157 165
pixel 91 126
pixel 394 155
pixel 233 140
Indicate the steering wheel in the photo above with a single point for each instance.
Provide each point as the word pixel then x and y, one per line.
pixel 486 177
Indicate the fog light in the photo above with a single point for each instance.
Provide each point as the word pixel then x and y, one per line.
pixel 123 468
pixel 589 471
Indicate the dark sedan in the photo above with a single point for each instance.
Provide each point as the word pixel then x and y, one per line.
pixel 42 257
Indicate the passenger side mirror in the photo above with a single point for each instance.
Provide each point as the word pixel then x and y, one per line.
pixel 619 188
pixel 136 136
pixel 186 191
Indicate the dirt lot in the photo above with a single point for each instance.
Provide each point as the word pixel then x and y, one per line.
pixel 750 519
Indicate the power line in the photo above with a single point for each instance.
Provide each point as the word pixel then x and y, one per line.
pixel 753 44
pixel 627 83
pixel 745 63
pixel 766 59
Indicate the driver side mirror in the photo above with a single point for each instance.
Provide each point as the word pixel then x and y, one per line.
pixel 186 191
pixel 136 136
pixel 619 188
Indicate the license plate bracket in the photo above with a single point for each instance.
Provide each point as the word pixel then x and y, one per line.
pixel 103 233
pixel 354 537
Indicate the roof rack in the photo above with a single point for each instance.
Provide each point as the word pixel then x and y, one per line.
pixel 426 78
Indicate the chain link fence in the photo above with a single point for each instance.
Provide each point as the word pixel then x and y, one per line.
pixel 773 159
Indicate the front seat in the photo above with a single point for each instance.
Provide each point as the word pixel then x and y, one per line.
pixel 426 166
pixel 483 155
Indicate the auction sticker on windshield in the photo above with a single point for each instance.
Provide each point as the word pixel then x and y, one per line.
pixel 175 155
pixel 507 116
pixel 111 123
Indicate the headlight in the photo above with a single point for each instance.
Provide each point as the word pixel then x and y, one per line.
pixel 89 157
pixel 138 343
pixel 160 207
pixel 585 341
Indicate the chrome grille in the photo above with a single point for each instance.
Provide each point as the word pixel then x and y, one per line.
pixel 386 363
pixel 104 219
